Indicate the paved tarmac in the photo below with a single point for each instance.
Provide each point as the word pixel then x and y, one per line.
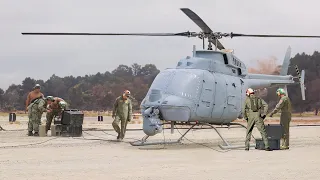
pixel 96 155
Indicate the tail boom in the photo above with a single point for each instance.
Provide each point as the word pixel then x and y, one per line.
pixel 267 83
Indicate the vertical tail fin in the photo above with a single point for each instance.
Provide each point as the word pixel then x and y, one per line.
pixel 286 62
pixel 285 66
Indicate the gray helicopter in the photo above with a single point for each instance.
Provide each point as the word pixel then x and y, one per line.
pixel 205 89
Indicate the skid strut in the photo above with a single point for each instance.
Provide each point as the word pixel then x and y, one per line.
pixel 225 146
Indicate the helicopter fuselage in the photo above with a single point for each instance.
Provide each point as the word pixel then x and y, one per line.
pixel 209 87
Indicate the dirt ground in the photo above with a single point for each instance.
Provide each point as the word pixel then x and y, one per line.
pixel 197 157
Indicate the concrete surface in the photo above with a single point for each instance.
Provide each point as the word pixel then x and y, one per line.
pixel 198 157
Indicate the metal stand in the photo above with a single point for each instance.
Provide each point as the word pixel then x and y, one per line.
pixel 225 146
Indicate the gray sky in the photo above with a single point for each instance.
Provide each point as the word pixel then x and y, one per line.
pixel 41 56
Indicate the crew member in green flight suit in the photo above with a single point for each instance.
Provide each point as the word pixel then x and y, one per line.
pixel 285 106
pixel 122 112
pixel 255 110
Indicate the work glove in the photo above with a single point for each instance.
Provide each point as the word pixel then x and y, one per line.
pixel 271 115
pixel 129 119
pixel 263 116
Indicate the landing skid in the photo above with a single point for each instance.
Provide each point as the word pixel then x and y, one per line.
pixel 224 147
pixel 144 139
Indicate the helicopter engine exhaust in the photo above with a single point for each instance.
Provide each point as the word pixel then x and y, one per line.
pixel 151 121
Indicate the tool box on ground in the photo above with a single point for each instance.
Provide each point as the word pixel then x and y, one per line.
pixel 70 124
pixel 274 131
pixel 273 143
pixel 274 134
pixel 72 117
pixel 71 130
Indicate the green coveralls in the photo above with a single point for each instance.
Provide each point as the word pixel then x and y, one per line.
pixel 122 111
pixel 35 111
pixel 285 106
pixel 51 115
pixel 255 118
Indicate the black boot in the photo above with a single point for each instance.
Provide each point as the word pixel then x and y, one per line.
pixel 268 149
pixel 36 134
pixel 118 137
pixel 30 133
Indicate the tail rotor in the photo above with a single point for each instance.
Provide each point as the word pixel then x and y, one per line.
pixel 301 82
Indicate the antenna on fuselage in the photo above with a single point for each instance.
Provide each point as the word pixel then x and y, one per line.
pixel 194 51
pixel 216 43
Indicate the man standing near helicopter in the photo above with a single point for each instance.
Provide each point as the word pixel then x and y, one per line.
pixel 255 110
pixel 285 106
pixel 122 113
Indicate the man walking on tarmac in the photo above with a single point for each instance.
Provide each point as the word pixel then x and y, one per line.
pixel 122 112
pixel 285 106
pixel 255 110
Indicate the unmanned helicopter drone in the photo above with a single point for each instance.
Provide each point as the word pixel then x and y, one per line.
pixel 207 88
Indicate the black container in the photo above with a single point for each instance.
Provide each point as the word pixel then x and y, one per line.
pixel 12 117
pixel 273 143
pixel 71 130
pixel 72 117
pixel 100 118
pixel 274 131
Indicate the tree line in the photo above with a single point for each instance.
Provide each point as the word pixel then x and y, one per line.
pixel 90 92
pixel 98 92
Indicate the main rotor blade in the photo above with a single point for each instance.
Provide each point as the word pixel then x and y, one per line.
pixel 203 26
pixel 196 19
pixel 116 34
pixel 269 35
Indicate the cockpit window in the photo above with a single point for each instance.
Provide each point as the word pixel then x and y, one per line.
pixel 185 84
pixel 189 63
pixel 179 63
pixel 180 83
pixel 161 81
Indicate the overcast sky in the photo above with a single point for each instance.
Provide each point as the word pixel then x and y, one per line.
pixel 41 56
